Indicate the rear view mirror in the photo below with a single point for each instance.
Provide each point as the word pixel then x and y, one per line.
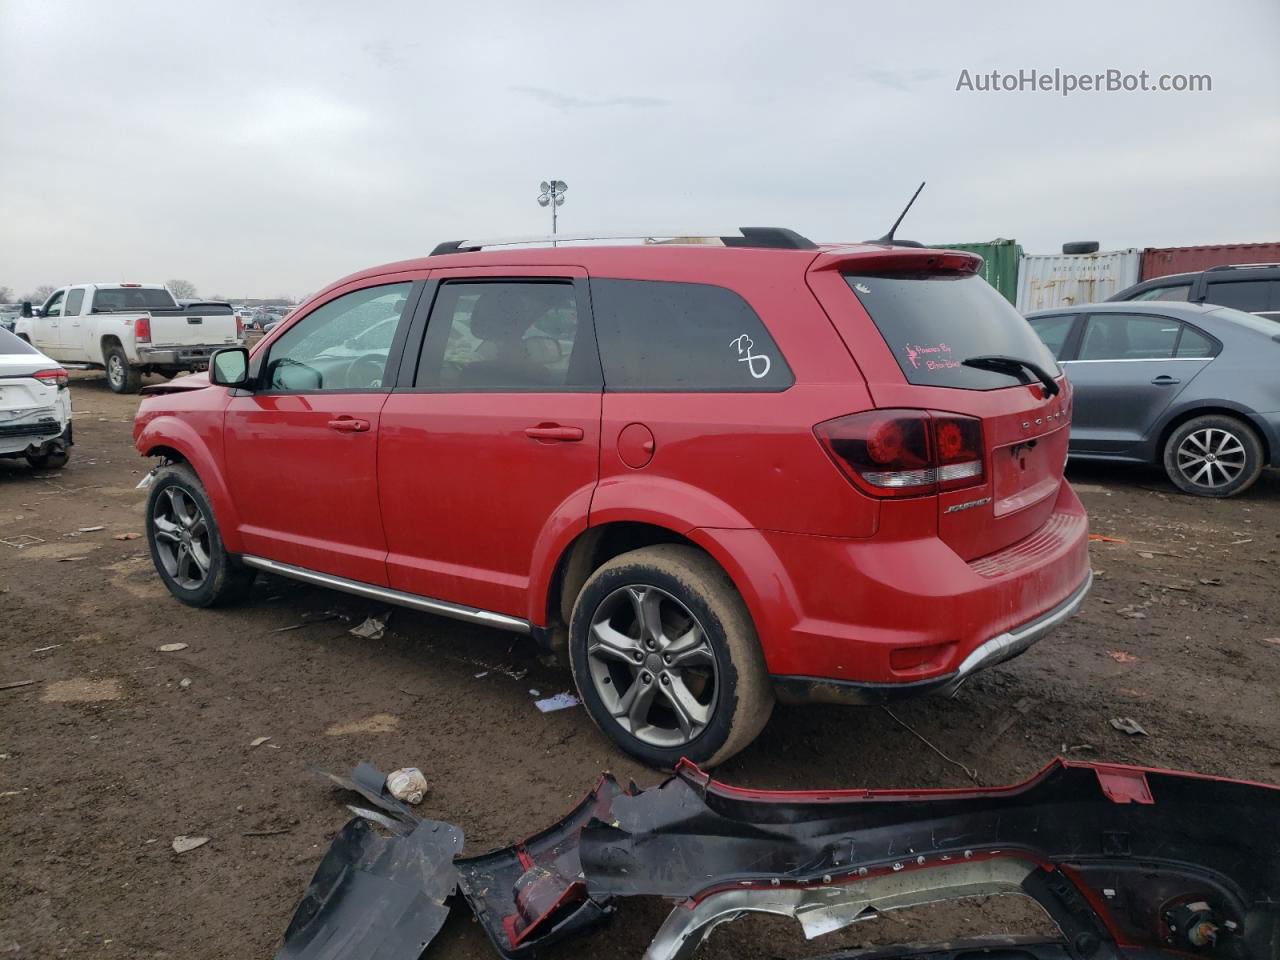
pixel 26 309
pixel 229 367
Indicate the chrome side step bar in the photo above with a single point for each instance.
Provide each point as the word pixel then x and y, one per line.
pixel 455 610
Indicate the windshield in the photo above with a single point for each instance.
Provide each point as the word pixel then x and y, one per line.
pixel 106 299
pixel 932 323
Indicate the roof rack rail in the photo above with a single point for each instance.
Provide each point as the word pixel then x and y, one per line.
pixel 1238 266
pixel 773 238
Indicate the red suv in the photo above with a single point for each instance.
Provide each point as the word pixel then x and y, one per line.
pixel 708 474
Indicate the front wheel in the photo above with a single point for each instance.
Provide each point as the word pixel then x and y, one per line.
pixel 666 658
pixel 1213 456
pixel 186 547
pixel 121 377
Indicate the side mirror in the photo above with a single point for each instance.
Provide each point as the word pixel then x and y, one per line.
pixel 26 309
pixel 229 367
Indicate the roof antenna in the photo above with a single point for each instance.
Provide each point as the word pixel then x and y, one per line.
pixel 888 237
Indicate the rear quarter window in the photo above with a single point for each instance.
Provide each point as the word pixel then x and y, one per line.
pixel 13 344
pixel 931 323
pixel 665 336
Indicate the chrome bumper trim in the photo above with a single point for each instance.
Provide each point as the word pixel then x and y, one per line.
pixel 1006 645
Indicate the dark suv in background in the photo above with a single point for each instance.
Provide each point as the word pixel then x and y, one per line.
pixel 1253 288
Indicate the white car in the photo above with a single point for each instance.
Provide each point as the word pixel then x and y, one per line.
pixel 35 405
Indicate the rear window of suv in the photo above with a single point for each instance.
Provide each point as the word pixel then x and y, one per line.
pixel 933 322
pixel 664 336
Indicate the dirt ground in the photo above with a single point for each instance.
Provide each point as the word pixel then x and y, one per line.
pixel 111 753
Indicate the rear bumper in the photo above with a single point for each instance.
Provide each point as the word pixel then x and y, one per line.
pixel 1002 647
pixel 186 357
pixel 17 440
pixel 902 610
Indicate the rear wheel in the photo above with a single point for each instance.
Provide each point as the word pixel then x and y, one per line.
pixel 666 658
pixel 121 377
pixel 186 547
pixel 49 461
pixel 1213 456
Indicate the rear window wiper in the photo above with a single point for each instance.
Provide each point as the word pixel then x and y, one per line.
pixel 1015 365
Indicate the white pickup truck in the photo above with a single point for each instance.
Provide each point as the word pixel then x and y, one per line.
pixel 128 329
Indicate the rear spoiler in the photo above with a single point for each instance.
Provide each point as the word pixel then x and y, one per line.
pixel 868 260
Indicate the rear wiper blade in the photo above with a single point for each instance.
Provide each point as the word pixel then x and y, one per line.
pixel 1015 365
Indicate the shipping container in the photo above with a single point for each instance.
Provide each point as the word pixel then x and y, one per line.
pixel 1162 261
pixel 1062 279
pixel 999 263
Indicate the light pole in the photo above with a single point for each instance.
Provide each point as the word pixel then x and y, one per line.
pixel 552 196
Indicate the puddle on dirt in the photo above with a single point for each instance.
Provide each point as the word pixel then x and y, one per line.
pixel 82 690
pixel 378 723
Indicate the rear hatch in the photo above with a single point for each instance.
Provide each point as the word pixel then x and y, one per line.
pixel 995 435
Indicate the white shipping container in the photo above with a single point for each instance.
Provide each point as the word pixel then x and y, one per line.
pixel 1057 280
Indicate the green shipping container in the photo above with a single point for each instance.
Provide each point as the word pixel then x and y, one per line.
pixel 1000 260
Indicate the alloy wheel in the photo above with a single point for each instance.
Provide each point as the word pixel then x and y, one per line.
pixel 1211 457
pixel 653 666
pixel 182 537
pixel 115 370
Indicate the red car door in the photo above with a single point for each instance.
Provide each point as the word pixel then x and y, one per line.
pixel 301 449
pixel 493 441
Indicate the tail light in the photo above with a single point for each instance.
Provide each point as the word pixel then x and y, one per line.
pixel 142 330
pixel 54 377
pixel 905 453
pixel 239 327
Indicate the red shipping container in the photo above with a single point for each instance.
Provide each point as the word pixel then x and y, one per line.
pixel 1162 261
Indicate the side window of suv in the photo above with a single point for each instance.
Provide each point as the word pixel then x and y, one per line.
pixel 1177 291
pixel 1251 296
pixel 324 350
pixel 693 337
pixel 75 299
pixel 507 335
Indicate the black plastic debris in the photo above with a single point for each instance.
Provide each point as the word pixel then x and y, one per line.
pixel 376 897
pixel 533 894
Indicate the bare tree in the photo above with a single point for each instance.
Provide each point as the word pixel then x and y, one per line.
pixel 41 293
pixel 6 294
pixel 182 289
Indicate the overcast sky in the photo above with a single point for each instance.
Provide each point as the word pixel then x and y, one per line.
pixel 265 148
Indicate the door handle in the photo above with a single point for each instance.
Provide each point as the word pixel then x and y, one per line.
pixel 553 432
pixel 349 425
pixel 1164 380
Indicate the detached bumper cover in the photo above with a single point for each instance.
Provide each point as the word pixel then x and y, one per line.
pixel 1128 863
pixel 998 649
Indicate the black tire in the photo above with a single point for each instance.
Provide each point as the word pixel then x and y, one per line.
pixel 222 579
pixel 49 461
pixel 693 595
pixel 1080 246
pixel 121 377
pixel 1213 456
